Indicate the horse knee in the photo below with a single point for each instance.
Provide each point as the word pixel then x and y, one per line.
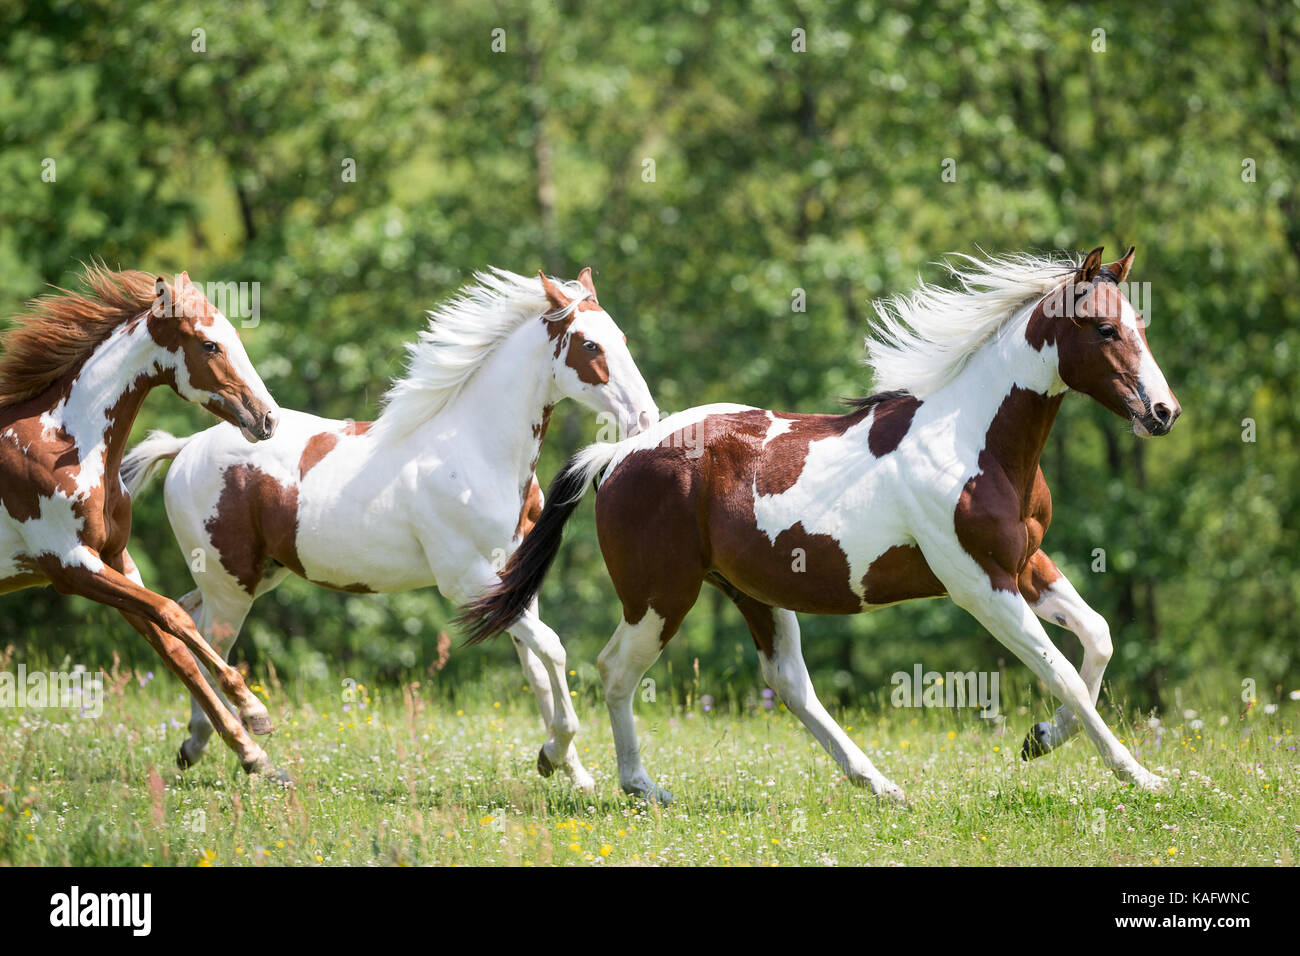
pixel 175 620
pixel 1098 635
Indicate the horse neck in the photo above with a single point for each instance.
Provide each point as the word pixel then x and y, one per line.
pixel 102 397
pixel 1009 393
pixel 504 408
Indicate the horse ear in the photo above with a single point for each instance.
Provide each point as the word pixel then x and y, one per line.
pixel 1119 268
pixel 1091 266
pixel 585 278
pixel 162 299
pixel 554 296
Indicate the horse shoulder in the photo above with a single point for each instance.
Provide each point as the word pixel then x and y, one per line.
pixel 990 525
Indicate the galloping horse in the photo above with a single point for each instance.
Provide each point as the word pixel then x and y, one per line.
pixel 931 487
pixel 74 373
pixel 438 490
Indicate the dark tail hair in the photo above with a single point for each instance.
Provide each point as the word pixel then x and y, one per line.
pixel 522 576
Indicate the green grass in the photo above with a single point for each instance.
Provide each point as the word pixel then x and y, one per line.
pixel 407 778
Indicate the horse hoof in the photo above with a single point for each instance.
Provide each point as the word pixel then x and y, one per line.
pixel 544 765
pixel 890 794
pixel 1036 741
pixel 182 760
pixel 259 724
pixel 650 793
pixel 1146 780
pixel 270 774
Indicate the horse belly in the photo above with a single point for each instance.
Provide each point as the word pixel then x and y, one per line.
pixel 801 571
pixel 17 570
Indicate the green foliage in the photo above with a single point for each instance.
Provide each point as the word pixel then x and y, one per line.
pixel 774 170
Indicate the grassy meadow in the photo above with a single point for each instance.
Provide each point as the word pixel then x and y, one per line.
pixel 405 776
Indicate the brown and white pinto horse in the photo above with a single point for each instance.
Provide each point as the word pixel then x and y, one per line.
pixel 929 488
pixel 73 375
pixel 437 491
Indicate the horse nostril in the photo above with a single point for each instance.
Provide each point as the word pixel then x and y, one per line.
pixel 644 420
pixel 268 424
pixel 1163 413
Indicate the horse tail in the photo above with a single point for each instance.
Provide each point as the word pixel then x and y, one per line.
pixel 143 461
pixel 522 576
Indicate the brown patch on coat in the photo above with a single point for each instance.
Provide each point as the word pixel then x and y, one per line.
pixel 786 454
pixel 256 521
pixel 667 516
pixel 590 365
pixel 761 620
pixel 33 463
pixel 784 457
pixel 539 427
pixel 38 464
pixel 893 417
pixel 1039 574
pixel 355 588
pixel 1004 510
pixel 900 574
pixel 29 575
pixel 317 447
pixel 321 444
pixel 530 511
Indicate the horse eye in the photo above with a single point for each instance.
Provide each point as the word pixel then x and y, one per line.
pixel 590 346
pixel 212 348
pixel 1108 332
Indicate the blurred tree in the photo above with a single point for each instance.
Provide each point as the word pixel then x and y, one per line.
pixel 744 183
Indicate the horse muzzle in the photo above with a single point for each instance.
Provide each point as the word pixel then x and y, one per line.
pixel 1157 420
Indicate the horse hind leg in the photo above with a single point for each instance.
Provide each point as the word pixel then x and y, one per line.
pixel 780 657
pixel 629 654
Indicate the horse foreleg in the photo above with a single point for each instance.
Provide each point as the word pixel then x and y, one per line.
pixel 543 645
pixel 1054 599
pixel 1009 618
pixel 559 751
pixel 169 630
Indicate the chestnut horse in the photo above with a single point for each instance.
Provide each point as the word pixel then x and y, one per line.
pixel 73 375
pixel 437 491
pixel 931 487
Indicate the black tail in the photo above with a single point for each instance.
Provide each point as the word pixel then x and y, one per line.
pixel 522 576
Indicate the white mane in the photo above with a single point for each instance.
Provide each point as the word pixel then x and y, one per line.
pixel 924 339
pixel 460 336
